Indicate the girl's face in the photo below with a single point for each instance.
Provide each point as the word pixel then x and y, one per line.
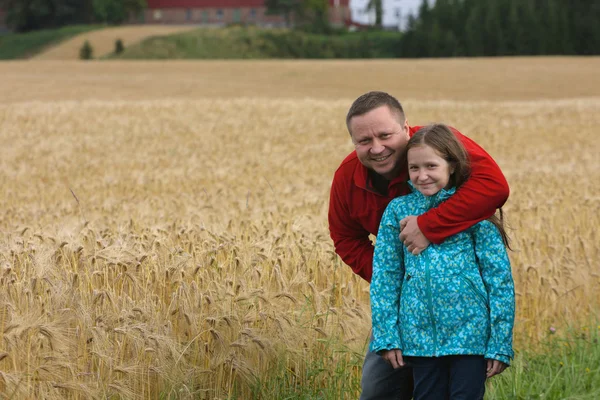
pixel 428 171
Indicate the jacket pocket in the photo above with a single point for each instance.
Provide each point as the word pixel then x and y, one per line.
pixel 476 292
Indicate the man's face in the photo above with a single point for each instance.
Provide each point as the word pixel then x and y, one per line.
pixel 380 139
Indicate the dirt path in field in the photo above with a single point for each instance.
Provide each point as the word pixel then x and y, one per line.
pixel 103 41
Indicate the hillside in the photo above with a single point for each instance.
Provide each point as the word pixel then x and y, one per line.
pixel 103 41
pixel 250 43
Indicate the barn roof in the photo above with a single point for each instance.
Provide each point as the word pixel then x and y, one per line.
pixel 217 3
pixel 204 3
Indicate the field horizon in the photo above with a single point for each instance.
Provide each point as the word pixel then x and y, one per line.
pixel 163 225
pixel 455 79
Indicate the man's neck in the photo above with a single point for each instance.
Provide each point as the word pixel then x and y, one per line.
pixel 378 183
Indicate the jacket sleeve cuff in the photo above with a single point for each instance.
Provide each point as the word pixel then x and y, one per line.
pixel 384 344
pixel 500 357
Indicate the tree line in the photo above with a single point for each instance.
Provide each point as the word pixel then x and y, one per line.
pixel 454 28
pixel 30 15
pixel 442 28
pixel 451 28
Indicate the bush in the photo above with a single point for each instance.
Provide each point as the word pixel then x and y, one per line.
pixel 86 52
pixel 119 47
pixel 296 44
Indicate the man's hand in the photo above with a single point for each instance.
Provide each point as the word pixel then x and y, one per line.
pixel 394 357
pixel 411 235
pixel 494 367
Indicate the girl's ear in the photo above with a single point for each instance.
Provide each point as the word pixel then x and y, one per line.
pixel 452 168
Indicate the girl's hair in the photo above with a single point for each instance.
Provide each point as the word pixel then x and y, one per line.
pixel 441 139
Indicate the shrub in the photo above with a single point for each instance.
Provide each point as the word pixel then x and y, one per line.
pixel 87 51
pixel 119 47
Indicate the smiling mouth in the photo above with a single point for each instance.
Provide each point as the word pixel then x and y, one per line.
pixel 379 159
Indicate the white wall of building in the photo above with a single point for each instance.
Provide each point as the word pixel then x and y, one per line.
pixel 395 12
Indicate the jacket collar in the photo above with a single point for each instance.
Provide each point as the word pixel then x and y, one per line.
pixel 437 198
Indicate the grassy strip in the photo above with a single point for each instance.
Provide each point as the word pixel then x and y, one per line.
pixel 252 43
pixel 567 368
pixel 334 376
pixel 25 45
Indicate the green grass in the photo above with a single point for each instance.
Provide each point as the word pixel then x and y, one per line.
pixel 251 43
pixel 335 376
pixel 565 367
pixel 24 45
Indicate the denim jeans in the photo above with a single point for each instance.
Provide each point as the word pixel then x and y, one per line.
pixel 382 382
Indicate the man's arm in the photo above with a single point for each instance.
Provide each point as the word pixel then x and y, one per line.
pixel 350 239
pixel 477 199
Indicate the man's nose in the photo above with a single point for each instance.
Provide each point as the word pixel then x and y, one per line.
pixel 377 147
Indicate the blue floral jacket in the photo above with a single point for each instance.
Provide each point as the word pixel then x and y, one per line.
pixel 454 298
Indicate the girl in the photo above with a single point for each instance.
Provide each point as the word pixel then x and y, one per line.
pixel 449 311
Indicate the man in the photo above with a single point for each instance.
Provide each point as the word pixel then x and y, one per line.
pixel 368 179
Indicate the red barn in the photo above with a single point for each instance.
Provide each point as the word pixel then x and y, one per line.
pixel 222 12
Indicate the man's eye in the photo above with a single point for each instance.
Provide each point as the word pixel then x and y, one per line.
pixel 385 136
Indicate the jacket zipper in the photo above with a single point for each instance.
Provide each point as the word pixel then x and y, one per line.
pixel 429 201
pixel 430 306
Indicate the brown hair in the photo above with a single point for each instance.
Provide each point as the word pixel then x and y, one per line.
pixel 440 138
pixel 372 100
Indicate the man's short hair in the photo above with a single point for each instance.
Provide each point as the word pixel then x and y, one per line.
pixel 372 100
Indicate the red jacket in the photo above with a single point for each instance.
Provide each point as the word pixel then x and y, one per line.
pixel 355 209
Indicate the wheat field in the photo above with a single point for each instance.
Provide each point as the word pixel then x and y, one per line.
pixel 163 226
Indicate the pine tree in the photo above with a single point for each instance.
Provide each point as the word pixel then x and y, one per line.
pixel 473 31
pixel 493 32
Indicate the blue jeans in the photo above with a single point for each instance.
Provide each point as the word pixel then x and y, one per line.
pixel 449 377
pixel 382 382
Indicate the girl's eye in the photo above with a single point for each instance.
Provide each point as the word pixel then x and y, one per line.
pixel 412 168
pixel 431 166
